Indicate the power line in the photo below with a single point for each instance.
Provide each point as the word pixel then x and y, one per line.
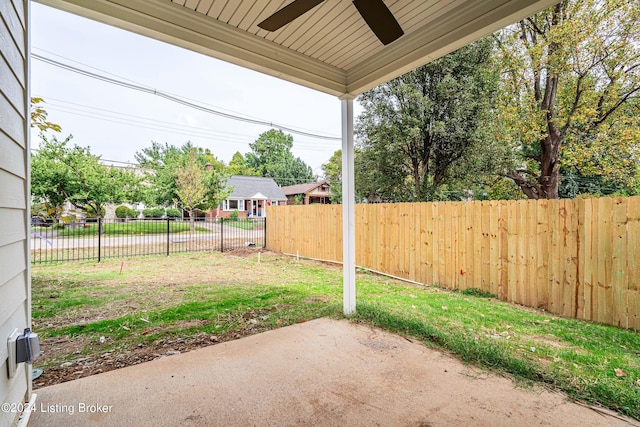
pixel 127 116
pixel 153 124
pixel 141 84
pixel 134 86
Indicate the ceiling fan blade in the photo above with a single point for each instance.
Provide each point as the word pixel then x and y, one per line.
pixel 380 19
pixel 288 13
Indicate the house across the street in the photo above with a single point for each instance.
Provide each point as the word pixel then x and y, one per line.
pixel 306 194
pixel 250 197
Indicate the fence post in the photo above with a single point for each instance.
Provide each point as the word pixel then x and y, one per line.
pixel 264 226
pixel 99 238
pixel 221 235
pixel 168 235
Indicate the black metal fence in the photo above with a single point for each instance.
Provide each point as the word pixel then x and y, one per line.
pixel 126 238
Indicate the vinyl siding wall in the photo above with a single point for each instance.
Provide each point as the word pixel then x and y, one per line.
pixel 14 194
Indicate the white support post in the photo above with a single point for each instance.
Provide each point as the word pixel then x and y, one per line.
pixel 348 208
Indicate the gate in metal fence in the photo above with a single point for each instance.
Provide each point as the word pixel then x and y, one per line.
pixel 126 238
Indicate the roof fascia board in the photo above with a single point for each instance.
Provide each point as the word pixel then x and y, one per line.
pixel 182 27
pixel 405 57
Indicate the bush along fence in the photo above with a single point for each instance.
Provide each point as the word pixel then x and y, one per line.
pixel 125 238
pixel 577 258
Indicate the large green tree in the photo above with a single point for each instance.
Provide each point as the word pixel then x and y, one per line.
pixel 161 163
pixel 271 156
pixel 61 172
pixel 571 78
pixel 425 135
pixel 239 166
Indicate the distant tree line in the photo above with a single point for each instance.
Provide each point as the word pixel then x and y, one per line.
pixel 186 176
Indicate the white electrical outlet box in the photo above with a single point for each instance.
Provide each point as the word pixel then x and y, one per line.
pixel 12 366
pixel 23 348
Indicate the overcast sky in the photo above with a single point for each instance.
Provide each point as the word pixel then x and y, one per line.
pixel 116 121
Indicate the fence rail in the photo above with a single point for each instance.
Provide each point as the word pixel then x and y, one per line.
pixel 117 238
pixel 577 258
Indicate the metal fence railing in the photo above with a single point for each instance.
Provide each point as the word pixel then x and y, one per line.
pixel 126 238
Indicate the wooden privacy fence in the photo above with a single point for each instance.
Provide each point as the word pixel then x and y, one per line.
pixel 577 258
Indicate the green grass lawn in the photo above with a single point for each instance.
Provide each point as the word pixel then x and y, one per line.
pixel 244 223
pixel 134 227
pixel 160 300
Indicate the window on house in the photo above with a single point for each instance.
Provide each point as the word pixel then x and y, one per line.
pixel 275 202
pixel 232 205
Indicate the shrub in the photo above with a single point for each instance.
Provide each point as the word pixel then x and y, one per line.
pixel 233 216
pixel 125 212
pixel 122 211
pixel 174 213
pixel 153 212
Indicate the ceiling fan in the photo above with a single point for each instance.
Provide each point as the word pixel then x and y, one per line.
pixel 374 12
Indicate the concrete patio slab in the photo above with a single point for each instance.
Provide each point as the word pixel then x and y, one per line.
pixel 319 373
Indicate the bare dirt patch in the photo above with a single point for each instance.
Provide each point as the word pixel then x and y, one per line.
pixel 65 358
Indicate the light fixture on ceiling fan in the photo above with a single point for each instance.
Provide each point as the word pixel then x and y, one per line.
pixel 374 12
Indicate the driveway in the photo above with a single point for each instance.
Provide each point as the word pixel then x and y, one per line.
pixel 320 373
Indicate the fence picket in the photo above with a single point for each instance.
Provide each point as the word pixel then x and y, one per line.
pixel 531 256
pixel 580 273
pixel 483 234
pixel 633 262
pixel 466 267
pixel 542 254
pixel 447 257
pixel 619 263
pixel 503 287
pixel 462 246
pixel 511 249
pixel 605 300
pixel 494 248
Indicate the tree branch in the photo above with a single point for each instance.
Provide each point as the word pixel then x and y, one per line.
pixel 574 106
pixel 530 189
pixel 615 107
pixel 535 26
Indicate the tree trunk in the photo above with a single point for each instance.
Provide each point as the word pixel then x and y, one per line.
pixel 545 84
pixel 550 169
pixel 545 185
pixel 192 228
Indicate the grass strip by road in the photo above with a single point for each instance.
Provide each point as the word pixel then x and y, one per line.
pixel 130 228
pixel 244 223
pixel 159 300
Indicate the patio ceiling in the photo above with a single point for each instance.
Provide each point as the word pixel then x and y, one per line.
pixel 329 48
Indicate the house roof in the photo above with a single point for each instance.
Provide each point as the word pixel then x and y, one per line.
pixel 291 190
pixel 246 187
pixel 329 48
pixel 259 196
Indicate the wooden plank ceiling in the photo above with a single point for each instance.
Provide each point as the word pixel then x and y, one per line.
pixel 329 48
